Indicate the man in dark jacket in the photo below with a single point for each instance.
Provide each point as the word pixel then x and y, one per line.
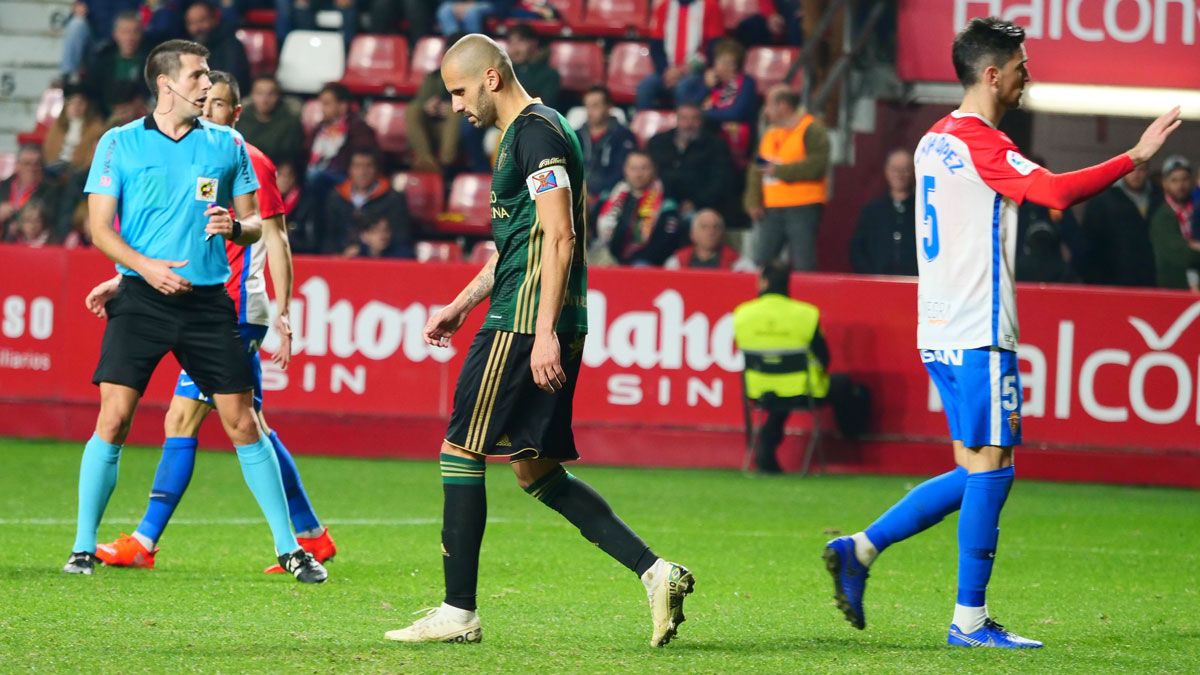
pixel 363 199
pixel 694 163
pixel 270 126
pixel 884 241
pixel 119 62
pixel 605 143
pixel 1116 225
pixel 225 50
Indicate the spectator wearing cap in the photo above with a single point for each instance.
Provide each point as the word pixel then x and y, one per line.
pixel 885 241
pixel 708 250
pixel 1176 251
pixel 271 126
pixel 682 31
pixel 605 142
pixel 1116 227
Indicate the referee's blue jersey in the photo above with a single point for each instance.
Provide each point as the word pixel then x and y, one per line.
pixel 164 186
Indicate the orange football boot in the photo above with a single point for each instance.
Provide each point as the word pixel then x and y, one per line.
pixel 321 547
pixel 126 552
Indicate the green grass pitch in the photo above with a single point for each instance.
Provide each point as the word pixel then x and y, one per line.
pixel 1106 576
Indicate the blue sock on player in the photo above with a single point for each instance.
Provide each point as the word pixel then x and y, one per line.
pixel 922 508
pixel 261 471
pixel 97 478
pixel 979 532
pixel 299 507
pixel 170 481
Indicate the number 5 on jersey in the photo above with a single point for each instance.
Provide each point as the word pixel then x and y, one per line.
pixel 930 245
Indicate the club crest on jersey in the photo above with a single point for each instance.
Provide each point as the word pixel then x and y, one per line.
pixel 546 181
pixel 206 189
pixel 1014 422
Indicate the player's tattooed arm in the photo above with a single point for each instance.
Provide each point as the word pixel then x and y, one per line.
pixel 445 322
pixel 480 287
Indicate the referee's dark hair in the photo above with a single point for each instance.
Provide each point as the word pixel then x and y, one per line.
pixel 164 60
pixel 984 42
pixel 776 276
pixel 222 77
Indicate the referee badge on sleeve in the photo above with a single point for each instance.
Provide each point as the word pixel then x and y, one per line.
pixel 206 189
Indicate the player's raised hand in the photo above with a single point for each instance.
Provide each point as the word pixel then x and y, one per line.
pixel 546 363
pixel 283 355
pixel 161 276
pixel 100 295
pixel 443 324
pixel 220 222
pixel 1155 135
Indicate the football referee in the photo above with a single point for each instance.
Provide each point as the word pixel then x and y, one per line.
pixel 165 176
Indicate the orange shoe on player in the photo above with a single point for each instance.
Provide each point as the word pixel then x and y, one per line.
pixel 126 551
pixel 321 547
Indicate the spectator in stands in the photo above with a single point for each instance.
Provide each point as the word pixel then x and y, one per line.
pixel 225 50
pixel 339 134
pixel 29 228
pixel 732 100
pixel 884 241
pixel 639 224
pixel 466 16
pixel 777 23
pixel 708 249
pixel 785 188
pixel 682 31
pixel 385 14
pixel 606 142
pixel 694 163
pixel 29 184
pixel 377 240
pixel 129 104
pixel 1040 251
pixel 304 214
pixel 1116 225
pixel 71 141
pixel 364 198
pixel 119 62
pixel 271 126
pixel 1176 251
pixel 429 116
pixel 302 14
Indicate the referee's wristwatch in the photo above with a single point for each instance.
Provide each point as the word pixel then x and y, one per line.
pixel 237 231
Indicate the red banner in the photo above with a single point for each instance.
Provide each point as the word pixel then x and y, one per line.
pixel 1140 43
pixel 1101 368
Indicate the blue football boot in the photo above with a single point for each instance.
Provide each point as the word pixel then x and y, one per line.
pixel 849 579
pixel 991 634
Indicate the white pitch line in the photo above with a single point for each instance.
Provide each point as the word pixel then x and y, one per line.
pixel 367 522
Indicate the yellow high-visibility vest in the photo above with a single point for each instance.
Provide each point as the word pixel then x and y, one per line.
pixel 774 327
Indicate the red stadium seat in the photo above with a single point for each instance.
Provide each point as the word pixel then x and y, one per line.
pixel 737 11
pixel 311 115
pixel 426 57
pixel 426 196
pixel 387 119
pixel 261 50
pixel 259 17
pixel 616 18
pixel 8 164
pixel 469 208
pixel 769 65
pixel 571 12
pixel 49 107
pixel 581 64
pixel 482 251
pixel 377 65
pixel 628 64
pixel 439 251
pixel 647 123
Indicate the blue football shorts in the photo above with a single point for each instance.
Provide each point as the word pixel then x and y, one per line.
pixel 981 394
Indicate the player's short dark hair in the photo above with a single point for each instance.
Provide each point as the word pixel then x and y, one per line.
pixel 222 77
pixel 599 89
pixel 984 42
pixel 525 32
pixel 164 60
pixel 777 275
pixel 338 90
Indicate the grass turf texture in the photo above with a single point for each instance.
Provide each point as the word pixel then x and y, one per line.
pixel 1106 576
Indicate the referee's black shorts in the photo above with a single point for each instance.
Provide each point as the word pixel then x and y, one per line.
pixel 199 327
pixel 500 411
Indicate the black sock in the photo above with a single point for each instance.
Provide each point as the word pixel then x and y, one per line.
pixel 588 511
pixel 464 513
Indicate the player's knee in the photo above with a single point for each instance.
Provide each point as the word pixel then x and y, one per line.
pixel 112 426
pixel 241 426
pixel 529 472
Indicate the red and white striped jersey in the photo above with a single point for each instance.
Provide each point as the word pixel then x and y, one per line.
pixel 970 180
pixel 247 283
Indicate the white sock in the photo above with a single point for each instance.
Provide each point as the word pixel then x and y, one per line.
pixel 144 540
pixel 969 619
pixel 650 575
pixel 864 550
pixel 457 613
pixel 311 534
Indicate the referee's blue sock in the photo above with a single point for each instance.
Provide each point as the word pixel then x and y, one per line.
pixel 170 481
pixel 304 520
pixel 922 508
pixel 97 478
pixel 978 534
pixel 261 471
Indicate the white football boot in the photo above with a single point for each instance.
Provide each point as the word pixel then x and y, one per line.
pixel 667 584
pixel 441 624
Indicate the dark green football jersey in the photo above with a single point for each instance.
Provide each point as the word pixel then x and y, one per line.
pixel 539 152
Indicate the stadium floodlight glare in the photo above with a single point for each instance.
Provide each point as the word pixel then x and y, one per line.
pixel 1083 99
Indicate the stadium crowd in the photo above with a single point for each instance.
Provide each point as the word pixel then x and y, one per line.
pixel 733 176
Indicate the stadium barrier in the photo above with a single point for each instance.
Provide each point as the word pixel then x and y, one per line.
pixel 1111 378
